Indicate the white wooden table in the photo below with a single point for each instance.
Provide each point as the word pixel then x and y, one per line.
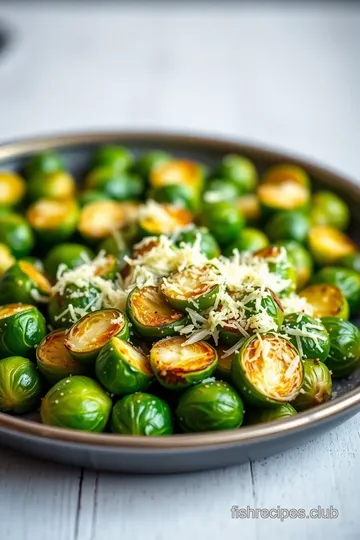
pixel 287 75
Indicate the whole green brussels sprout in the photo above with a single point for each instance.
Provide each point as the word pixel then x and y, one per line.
pixel 317 385
pixel 20 386
pixel 239 170
pixel 114 156
pixel 177 194
pixel 22 327
pixel 286 225
pixel 223 220
pixel 308 335
pixel 329 210
pixel 117 184
pixel 58 185
pixel 16 233
pixel 344 355
pixel 260 416
pixel 248 240
pixel 24 283
pixel 301 259
pixel 43 162
pixel 61 315
pixel 69 255
pixel 218 190
pixel 207 243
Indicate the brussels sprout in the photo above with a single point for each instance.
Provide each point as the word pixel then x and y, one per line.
pixel 178 195
pixel 346 280
pixel 308 335
pixel 223 369
pixel 12 188
pixel 99 219
pixel 23 283
pixel 20 386
pixel 219 190
pixel 90 196
pixel 117 184
pixel 246 301
pixel 249 207
pixel 67 307
pixel 280 264
pixel 85 339
pixel 69 255
pixel 329 210
pixel 141 414
pixel 327 244
pixel 260 416
pixel 195 287
pixel 207 243
pixel 317 385
pixel 151 315
pixel 123 369
pixel 223 220
pixel 6 259
pixel 58 185
pixel 301 259
pixel 116 157
pixel 280 174
pixel 344 355
pixel 35 262
pixel 267 370
pixel 164 219
pixel 151 160
pixel 178 171
pixel 210 406
pixel 22 327
pixel 53 220
pixel 239 170
pixel 284 196
pixel 248 240
pixel 326 301
pixel 352 261
pixel 116 246
pixel 16 234
pixel 76 402
pixel 177 365
pixel 287 225
pixel 54 360
pixel 108 267
pixel 44 162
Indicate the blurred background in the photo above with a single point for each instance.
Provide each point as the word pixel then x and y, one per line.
pixel 281 73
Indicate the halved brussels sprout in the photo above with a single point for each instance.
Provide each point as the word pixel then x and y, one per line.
pixel 117 184
pixel 151 160
pixel 16 234
pixel 58 185
pixel 22 327
pixel 117 157
pixel 267 370
pixel 308 335
pixel 287 225
pixel 326 301
pixel 53 220
pixel 85 339
pixel 280 264
pixel 68 306
pixel 239 170
pixel 69 255
pixel 141 414
pixel 317 386
pixel 223 220
pixel 195 287
pixel 23 283
pixel 329 210
pixel 346 280
pixel 6 259
pixel 352 261
pixel 219 190
pixel 344 355
pixel 44 162
pixel 210 406
pixel 76 402
pixel 20 386
pixel 207 243
pixel 12 188
pixel 35 262
pixel 109 268
pixel 301 259
pixel 284 196
pixel 328 244
pixel 178 171
pixel 100 219
pixel 122 368
pixel 164 219
pixel 54 360
pixel 223 368
pixel 249 207
pixel 177 365
pixel 177 195
pixel 250 303
pixel 248 240
pixel 90 196
pixel 151 315
pixel 279 174
pixel 260 416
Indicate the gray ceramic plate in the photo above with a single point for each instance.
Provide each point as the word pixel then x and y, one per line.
pixel 177 453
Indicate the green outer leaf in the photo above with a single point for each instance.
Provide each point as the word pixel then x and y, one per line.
pixel 20 386
pixel 72 255
pixel 317 385
pixel 308 344
pixel 21 332
pixel 260 416
pixel 60 302
pixel 344 355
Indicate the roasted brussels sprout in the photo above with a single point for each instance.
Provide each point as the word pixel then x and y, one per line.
pixel 285 196
pixel 20 386
pixel 76 402
pixel 151 315
pixel 58 185
pixel 223 220
pixel 346 280
pixel 116 157
pixel 163 219
pixel 178 171
pixel 177 365
pixel 248 240
pixel 22 327
pixel 12 188
pixel 108 268
pixel 352 261
pixel 317 385
pixel 267 370
pixel 329 210
pixel 344 355
pixel 308 335
pixel 92 196
pixel 328 244
pixel 195 287
pixel 326 301
pixel 123 369
pixel 210 406
pixel 177 195
pixel 219 190
pixel 67 306
pixel 6 259
pixel 279 412
pixel 301 259
pixel 43 162
pixel 239 170
pixel 280 174
pixel 151 160
pixel 116 246
pixel 249 207
pixel 54 360
pixel 223 368
pixel 99 219
pixel 69 255
pixel 141 414
pixel 16 234
pixel 207 243
pixel 23 283
pixel 287 225
pixel 85 339
pixel 119 185
pixel 280 264
pixel 53 220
